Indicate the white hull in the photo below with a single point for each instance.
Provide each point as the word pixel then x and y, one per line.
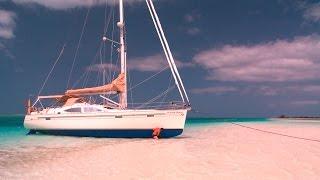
pixel 112 123
pixel 77 117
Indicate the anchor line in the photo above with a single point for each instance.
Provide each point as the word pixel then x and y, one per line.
pixel 264 131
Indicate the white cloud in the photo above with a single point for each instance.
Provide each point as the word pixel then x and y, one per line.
pixel 189 18
pixel 305 103
pixel 7 18
pixel 276 89
pixel 312 12
pixel 264 90
pixel 308 88
pixel 192 17
pixel 6 33
pixel 280 89
pixel 278 61
pixel 214 90
pixel 7 24
pixel 101 67
pixel 67 4
pixel 153 63
pixel 193 31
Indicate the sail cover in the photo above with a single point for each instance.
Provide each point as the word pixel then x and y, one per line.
pixel 116 85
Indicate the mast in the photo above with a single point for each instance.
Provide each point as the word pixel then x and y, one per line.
pixel 120 24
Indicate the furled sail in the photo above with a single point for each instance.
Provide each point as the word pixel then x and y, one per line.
pixel 116 85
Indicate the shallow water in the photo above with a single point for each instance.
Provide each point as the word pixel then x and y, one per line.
pixel 208 148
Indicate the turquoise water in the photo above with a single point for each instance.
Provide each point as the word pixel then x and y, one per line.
pixel 12 125
pixel 214 121
pixel 12 132
pixel 207 144
pixel 11 129
pixel 14 136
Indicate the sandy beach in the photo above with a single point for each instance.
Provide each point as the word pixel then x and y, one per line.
pixel 220 151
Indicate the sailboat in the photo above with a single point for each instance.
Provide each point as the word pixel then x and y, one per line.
pixel 76 116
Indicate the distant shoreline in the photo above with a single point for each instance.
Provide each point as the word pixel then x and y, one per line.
pixel 9 115
pixel 297 117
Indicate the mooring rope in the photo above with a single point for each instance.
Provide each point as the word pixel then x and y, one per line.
pixel 275 133
pixel 265 131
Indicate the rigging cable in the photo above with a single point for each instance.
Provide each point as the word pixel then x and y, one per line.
pixel 83 76
pixel 147 79
pixel 78 46
pixel 165 49
pixel 54 65
pixel 157 97
pixel 130 82
pixel 154 15
pixel 112 44
pixel 164 97
pixel 107 19
pixel 91 68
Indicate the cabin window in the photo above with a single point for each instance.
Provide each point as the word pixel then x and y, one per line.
pixel 91 109
pixel 73 110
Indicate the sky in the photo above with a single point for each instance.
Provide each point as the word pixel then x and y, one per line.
pixel 249 58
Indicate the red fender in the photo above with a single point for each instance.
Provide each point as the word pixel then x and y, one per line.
pixel 156 132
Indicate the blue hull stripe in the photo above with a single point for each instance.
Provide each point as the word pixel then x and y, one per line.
pixel 121 133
